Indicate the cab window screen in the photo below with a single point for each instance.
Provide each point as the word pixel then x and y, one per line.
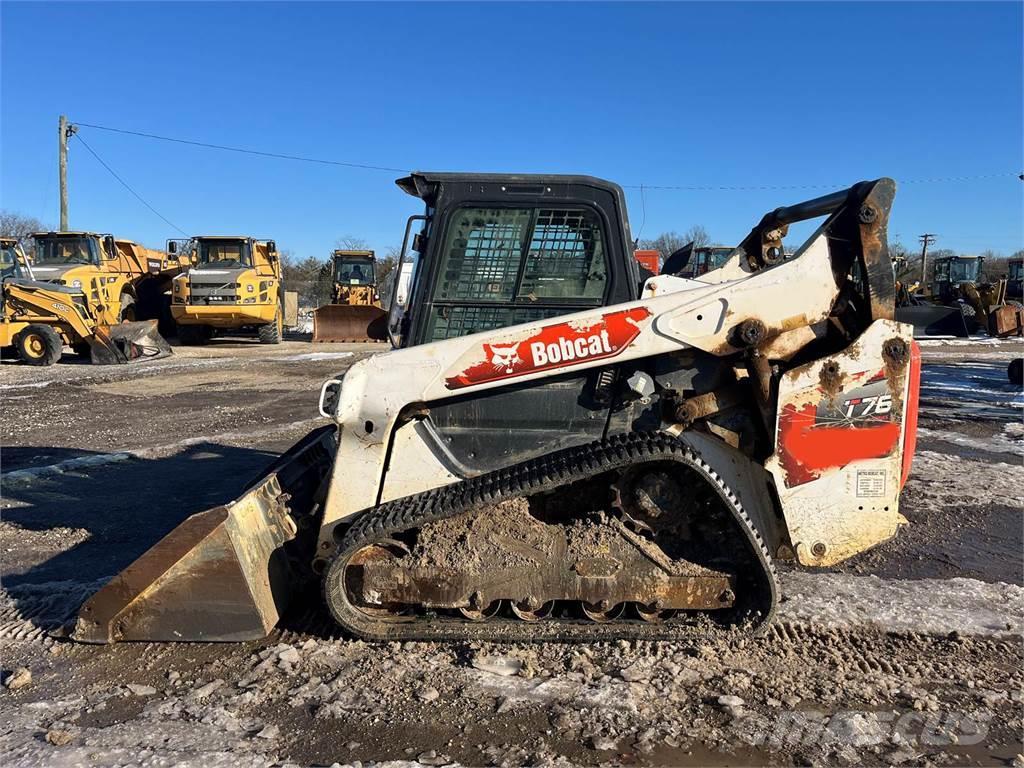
pixel 566 257
pixel 482 254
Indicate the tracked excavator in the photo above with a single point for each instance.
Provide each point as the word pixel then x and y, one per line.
pixel 555 450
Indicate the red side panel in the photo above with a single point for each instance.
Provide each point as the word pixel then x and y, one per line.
pixel 809 447
pixel 910 410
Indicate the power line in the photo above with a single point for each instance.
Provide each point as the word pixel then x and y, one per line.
pixel 279 156
pixel 763 187
pixel 126 185
pixel 641 187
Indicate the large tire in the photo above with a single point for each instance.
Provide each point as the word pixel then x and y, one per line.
pixel 194 335
pixel 166 325
pixel 127 312
pixel 970 318
pixel 272 333
pixel 1015 371
pixel 39 345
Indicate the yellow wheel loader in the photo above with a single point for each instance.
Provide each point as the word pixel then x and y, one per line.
pixel 38 319
pixel 555 449
pixel 355 312
pixel 235 287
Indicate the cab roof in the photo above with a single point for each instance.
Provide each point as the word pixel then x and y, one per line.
pixel 426 184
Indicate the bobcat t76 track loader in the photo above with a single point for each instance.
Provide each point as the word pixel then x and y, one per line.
pixel 555 450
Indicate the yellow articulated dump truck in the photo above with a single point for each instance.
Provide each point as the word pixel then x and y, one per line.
pixel 234 286
pixel 137 279
pixel 355 312
pixel 38 319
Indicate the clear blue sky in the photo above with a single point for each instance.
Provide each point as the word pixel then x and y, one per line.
pixel 685 94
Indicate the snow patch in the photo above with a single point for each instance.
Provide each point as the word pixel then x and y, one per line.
pixel 311 356
pixel 928 606
pixel 68 465
pixel 31 474
pixel 1010 440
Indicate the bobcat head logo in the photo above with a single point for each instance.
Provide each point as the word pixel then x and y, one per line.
pixel 505 358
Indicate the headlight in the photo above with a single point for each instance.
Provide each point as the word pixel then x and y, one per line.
pixel 250 288
pixel 76 283
pixel 177 287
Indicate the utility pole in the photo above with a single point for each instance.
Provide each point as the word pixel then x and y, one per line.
pixel 928 238
pixel 65 131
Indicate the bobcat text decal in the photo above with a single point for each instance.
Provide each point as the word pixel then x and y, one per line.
pixel 554 346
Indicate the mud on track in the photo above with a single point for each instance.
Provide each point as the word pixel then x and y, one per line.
pixel 909 654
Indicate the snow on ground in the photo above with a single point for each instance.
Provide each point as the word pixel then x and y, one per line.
pixel 928 606
pixel 1009 440
pixel 314 356
pixel 29 474
pixel 971 389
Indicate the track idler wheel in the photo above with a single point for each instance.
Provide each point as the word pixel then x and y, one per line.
pixel 481 614
pixel 387 551
pixel 602 611
pixel 532 610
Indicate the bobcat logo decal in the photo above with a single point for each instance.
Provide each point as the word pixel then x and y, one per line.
pixel 505 358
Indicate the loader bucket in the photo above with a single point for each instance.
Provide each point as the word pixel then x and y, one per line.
pixel 127 342
pixel 933 320
pixel 344 322
pixel 226 574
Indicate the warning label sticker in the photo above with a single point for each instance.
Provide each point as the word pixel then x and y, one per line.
pixel 870 482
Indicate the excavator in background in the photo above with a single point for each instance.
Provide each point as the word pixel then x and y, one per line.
pixel 234 286
pixel 557 449
pixel 137 279
pixel 355 313
pixel 957 302
pixel 38 319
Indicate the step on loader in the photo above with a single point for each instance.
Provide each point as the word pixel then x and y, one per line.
pixel 557 450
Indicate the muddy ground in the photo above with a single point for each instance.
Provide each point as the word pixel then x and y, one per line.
pixel 910 654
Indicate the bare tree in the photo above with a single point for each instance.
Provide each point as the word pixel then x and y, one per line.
pixel 994 267
pixel 665 244
pixel 668 243
pixel 15 225
pixel 697 235
pixel 350 243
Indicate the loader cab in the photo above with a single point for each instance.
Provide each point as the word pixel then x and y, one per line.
pixel 1015 279
pixel 70 249
pixel 13 263
pixel 950 272
pixel 495 250
pixel 354 268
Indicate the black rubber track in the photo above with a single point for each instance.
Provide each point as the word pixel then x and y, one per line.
pixel 545 473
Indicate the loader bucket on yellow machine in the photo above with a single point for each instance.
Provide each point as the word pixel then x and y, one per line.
pixel 127 342
pixel 228 573
pixel 345 322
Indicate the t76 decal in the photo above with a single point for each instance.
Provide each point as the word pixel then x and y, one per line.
pixel 554 346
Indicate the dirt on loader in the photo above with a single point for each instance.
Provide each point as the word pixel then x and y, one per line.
pixel 910 654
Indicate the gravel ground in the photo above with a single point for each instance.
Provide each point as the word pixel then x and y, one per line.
pixel 910 654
